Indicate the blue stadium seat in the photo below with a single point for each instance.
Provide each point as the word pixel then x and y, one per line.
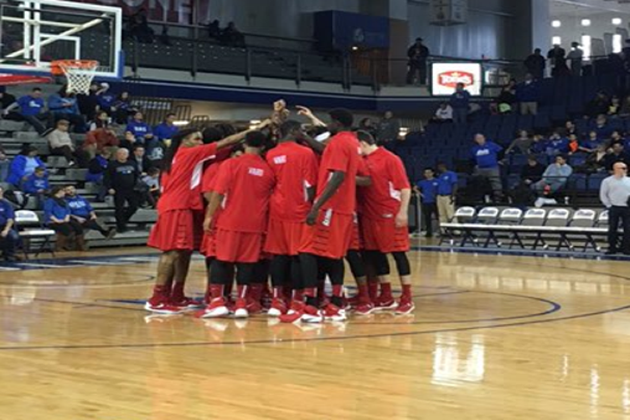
pixel 595 181
pixel 513 180
pixel 577 160
pixel 578 182
pixel 525 122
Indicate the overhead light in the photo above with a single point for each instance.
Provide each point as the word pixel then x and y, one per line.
pixel 616 21
pixel 403 132
pixel 181 123
pixel 556 23
pixel 586 22
pixel 355 48
pixel 556 40
pixel 586 46
pixel 617 43
pixel 254 122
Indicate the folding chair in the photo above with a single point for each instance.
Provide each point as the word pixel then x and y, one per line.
pixel 560 218
pixel 462 215
pixel 585 218
pixel 30 227
pixel 488 216
pixel 532 217
pixel 511 217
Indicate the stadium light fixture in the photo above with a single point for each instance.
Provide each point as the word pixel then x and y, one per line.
pixel 616 21
pixel 556 23
pixel 181 123
pixel 586 22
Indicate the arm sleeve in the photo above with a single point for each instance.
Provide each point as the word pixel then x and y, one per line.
pixel 224 179
pixel 88 206
pixel 10 212
pixel 454 179
pixel 398 174
pixel 603 194
pixel 47 210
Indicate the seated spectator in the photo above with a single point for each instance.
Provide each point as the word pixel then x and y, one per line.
pixel 232 36
pixel 150 187
pixel 6 99
pixel 99 139
pixel 81 211
pixel 167 129
pixel 214 29
pixel 618 154
pixel 615 137
pixel 601 127
pixel 570 128
pixel 129 142
pixel 614 109
pixel 31 108
pixel 57 217
pixel 139 157
pixel 555 176
pixel 64 105
pixel 61 145
pixel 123 108
pixel 539 144
pixel 140 130
pixel 8 236
pixel 23 165
pixel 5 164
pixel 527 93
pixel 444 114
pixel 507 97
pixel 88 103
pixel 533 171
pixel 102 120
pixel 36 187
pixel 521 144
pixel 557 145
pixel 96 171
pixel 105 98
pixel 574 144
pixel 592 143
pixel 598 106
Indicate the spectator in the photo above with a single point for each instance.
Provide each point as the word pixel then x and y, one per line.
pixel 570 128
pixel 57 217
pixel 96 171
pixel 140 159
pixel 123 108
pixel 120 181
pixel 444 114
pixel 8 236
pixel 214 29
pixel 521 144
pixel 6 99
pixel 138 28
pixel 486 154
pixel 507 98
pixel 575 58
pixel 388 128
pixel 532 172
pixel 81 211
pixel 31 109
pixel 151 187
pixel 167 129
pixel 36 186
pixel 616 137
pixel 614 109
pixel 99 139
pixel 557 57
pixel 417 65
pixel 598 106
pixel 129 142
pixel 140 130
pixel 101 121
pixel 88 103
pixel 446 193
pixel 557 145
pixel 555 176
pixel 539 144
pixel 618 154
pixel 63 105
pixel 428 190
pixel 614 194
pixel 592 143
pixel 601 127
pixel 460 102
pixel 5 164
pixel 61 145
pixel 232 36
pixel 527 93
pixel 535 64
pixel 23 165
pixel 574 145
pixel 105 98
pixel 156 148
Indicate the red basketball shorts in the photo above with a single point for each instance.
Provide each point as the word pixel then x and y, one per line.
pixel 383 235
pixel 356 243
pixel 177 230
pixel 330 237
pixel 238 247
pixel 284 238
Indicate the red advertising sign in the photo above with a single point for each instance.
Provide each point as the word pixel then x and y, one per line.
pixel 453 78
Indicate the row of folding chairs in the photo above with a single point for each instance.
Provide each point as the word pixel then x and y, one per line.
pixel 486 226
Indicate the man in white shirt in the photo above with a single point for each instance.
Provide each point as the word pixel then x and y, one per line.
pixel 444 113
pixel 615 193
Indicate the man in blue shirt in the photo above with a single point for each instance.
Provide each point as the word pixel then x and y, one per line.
pixel 8 236
pixel 460 101
pixel 36 185
pixel 486 155
pixel 428 188
pixel 527 94
pixel 104 98
pixel 167 129
pixel 32 110
pixel 557 145
pixel 140 130
pixel 446 193
pixel 81 210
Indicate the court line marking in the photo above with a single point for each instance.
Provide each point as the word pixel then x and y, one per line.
pixel 40 265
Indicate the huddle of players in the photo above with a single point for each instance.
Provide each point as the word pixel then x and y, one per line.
pixel 292 211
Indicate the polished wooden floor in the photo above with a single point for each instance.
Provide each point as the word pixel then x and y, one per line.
pixel 493 337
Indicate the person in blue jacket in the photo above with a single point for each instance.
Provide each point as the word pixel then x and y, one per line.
pixel 81 211
pixel 36 186
pixel 32 110
pixel 460 102
pixel 58 217
pixel 167 129
pixel 64 105
pixel 8 236
pixel 486 156
pixel 104 98
pixel 24 165
pixel 140 130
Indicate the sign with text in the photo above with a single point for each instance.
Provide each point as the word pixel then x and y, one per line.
pixel 446 76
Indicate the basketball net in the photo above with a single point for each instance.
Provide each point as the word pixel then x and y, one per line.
pixel 79 74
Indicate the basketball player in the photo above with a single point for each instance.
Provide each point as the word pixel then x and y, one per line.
pixel 384 220
pixel 329 232
pixel 175 233
pixel 295 170
pixel 243 188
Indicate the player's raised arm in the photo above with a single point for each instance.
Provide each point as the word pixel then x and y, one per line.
pixel 238 137
pixel 302 110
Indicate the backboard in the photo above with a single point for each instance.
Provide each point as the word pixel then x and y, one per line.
pixel 37 32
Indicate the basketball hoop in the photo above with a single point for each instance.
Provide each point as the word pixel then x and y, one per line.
pixel 79 73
